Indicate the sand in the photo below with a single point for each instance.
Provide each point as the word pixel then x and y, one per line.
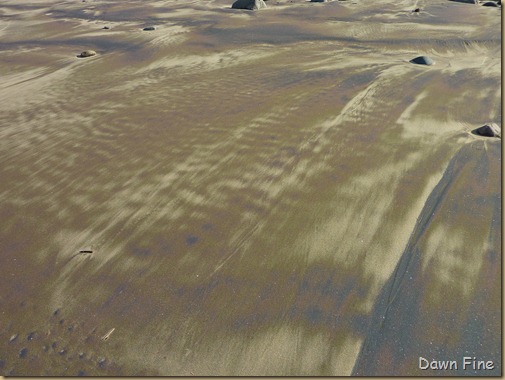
pixel 273 193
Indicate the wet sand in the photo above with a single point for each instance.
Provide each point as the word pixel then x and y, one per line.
pixel 263 193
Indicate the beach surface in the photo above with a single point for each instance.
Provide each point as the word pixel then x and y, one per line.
pixel 274 192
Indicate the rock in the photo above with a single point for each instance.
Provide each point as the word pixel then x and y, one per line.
pixel 488 130
pixel 87 53
pixel 149 28
pixel 13 338
pixel 466 1
pixel 106 27
pixel 101 362
pixel 417 10
pixel 249 4
pixel 489 4
pixel 23 352
pixel 422 60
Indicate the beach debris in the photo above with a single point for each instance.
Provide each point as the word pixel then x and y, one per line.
pixel 149 28
pixel 422 60
pixel 13 338
pixel 107 336
pixel 488 130
pixel 249 4
pixel 85 251
pixel 318 1
pixel 87 53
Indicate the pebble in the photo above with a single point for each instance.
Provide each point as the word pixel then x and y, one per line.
pixel 13 338
pixel 23 352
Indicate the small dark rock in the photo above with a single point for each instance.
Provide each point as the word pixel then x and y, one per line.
pixel 23 352
pixel 488 130
pixel 62 321
pixel 106 28
pixel 54 345
pixel 249 4
pixel 57 311
pixel 81 355
pixel 30 336
pixel 422 60
pixel 149 28
pixel 417 10
pixel 62 352
pixel 490 4
pixel 101 362
pixel 87 53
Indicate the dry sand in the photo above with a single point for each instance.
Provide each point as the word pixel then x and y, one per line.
pixel 264 193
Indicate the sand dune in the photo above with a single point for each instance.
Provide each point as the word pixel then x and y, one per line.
pixel 264 193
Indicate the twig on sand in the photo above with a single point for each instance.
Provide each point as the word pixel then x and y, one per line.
pixel 107 336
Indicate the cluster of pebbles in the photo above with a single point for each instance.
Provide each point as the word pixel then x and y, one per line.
pixel 55 345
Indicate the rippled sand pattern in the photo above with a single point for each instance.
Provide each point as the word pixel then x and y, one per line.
pixel 254 187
